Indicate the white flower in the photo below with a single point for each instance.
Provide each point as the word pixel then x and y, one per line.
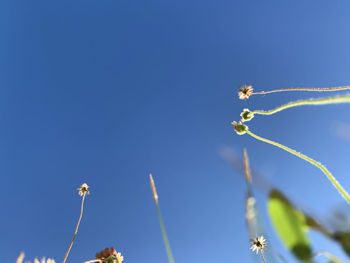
pixel 245 92
pixel 258 244
pixel 83 189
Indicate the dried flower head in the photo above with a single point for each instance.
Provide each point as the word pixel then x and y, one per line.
pixel 83 189
pixel 246 115
pixel 153 187
pixel 110 255
pixel 258 244
pixel 239 128
pixel 245 92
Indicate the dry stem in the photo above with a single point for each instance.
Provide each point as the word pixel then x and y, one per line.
pixel 76 228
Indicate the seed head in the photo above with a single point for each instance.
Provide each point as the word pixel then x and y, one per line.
pixel 239 128
pixel 246 115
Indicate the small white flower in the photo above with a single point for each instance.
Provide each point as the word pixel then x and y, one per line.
pixel 258 244
pixel 83 189
pixel 245 92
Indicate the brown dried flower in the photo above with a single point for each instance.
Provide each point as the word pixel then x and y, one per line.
pixel 110 252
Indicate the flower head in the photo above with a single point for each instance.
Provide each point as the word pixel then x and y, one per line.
pixel 258 244
pixel 110 255
pixel 246 115
pixel 239 128
pixel 83 189
pixel 245 92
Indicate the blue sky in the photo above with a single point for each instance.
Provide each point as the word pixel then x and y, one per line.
pixel 105 92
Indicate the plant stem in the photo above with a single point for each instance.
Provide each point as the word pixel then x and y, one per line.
pixel 161 223
pixel 322 101
pixel 76 228
pixel 165 237
pixel 303 89
pixel 261 253
pixel 337 185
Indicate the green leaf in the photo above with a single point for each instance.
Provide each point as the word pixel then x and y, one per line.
pixel 344 239
pixel 289 224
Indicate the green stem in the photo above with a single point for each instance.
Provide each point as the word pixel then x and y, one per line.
pixel 308 159
pixel 165 237
pixel 322 101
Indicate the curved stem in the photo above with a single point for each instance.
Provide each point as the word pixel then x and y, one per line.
pixel 322 101
pixel 302 89
pixel 336 184
pixel 76 228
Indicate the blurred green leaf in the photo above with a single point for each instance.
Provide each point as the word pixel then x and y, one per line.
pixel 344 239
pixel 289 224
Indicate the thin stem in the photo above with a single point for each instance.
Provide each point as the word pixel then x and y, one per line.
pixel 303 89
pixel 322 101
pixel 76 228
pixel 161 223
pixel 261 253
pixel 165 237
pixel 94 260
pixel 308 159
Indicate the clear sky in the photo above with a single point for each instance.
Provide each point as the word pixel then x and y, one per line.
pixel 107 91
